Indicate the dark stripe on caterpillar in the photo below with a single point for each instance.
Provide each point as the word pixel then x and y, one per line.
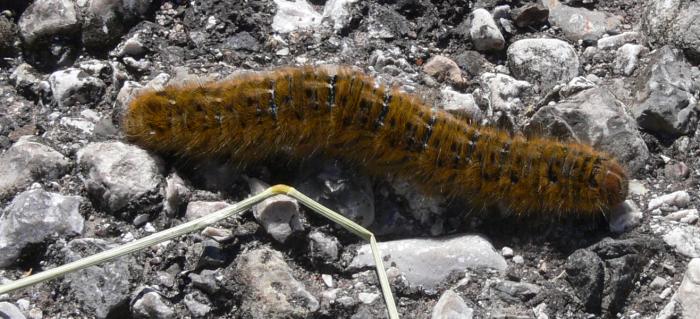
pixel 342 113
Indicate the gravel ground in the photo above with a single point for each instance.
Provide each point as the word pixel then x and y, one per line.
pixel 620 75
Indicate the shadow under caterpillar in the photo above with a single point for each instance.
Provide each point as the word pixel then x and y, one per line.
pixel 343 113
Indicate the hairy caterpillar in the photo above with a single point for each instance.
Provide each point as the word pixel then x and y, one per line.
pixel 342 113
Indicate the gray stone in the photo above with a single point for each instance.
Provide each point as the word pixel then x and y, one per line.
pixel 293 16
pixel 685 239
pixel 74 86
pixel 543 62
pixel 627 58
pixel 513 291
pixel 615 41
pixel 9 37
pixel 341 190
pixel 625 217
pixel 337 11
pixel 271 291
pixel 34 216
pixel 443 67
pixel 666 91
pixel 197 309
pixel 243 41
pixel 461 104
pixel 197 209
pixel 27 80
pixel 102 288
pixel 46 18
pixel 148 303
pixel 673 22
pixel 205 281
pixel 585 272
pixel 428 262
pixel 176 194
pixel 688 216
pixel 105 21
pixel 279 214
pixel 117 175
pixel 27 161
pixel 679 199
pixel 484 32
pixel 323 246
pixel 10 311
pixel 594 117
pixel 689 290
pixel 624 261
pixel 503 92
pixel 451 306
pixel 581 23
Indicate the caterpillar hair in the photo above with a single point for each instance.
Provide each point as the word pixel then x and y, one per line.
pixel 343 113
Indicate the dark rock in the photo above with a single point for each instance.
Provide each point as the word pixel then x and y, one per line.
pixel 585 273
pixel 530 14
pixel 104 288
pixel 595 117
pixel 271 289
pixel 666 98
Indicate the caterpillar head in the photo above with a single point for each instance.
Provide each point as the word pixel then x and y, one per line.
pixel 615 184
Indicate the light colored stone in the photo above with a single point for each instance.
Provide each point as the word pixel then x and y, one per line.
pixel 271 291
pixel 484 32
pixel 625 217
pixel 689 290
pixel 74 86
pixel 45 18
pixel 294 16
pixel 428 262
pixel 32 217
pixel 679 199
pixel 27 161
pixel 451 306
pixel 615 41
pixel 197 209
pixel 279 214
pixel 117 175
pixel 543 62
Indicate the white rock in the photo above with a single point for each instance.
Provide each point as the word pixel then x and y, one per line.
pixel 337 12
pixel 625 217
pixel 689 290
pixel 503 91
pixel 34 216
pixel 543 62
pixel 367 297
pixel 679 199
pixel 484 32
pixel 197 209
pixel 685 239
pixel 615 41
pixel 73 86
pixel 427 262
pixel 293 16
pixel 10 311
pixel 451 306
pixel 118 174
pixel 27 161
pixel 627 58
pixel 461 103
pixel 279 214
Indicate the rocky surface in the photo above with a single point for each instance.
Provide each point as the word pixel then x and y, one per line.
pixel 619 75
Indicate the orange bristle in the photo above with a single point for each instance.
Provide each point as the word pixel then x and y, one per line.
pixel 342 113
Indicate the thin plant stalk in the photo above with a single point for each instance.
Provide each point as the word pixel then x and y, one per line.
pixel 209 220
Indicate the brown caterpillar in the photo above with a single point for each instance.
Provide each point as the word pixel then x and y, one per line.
pixel 343 113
